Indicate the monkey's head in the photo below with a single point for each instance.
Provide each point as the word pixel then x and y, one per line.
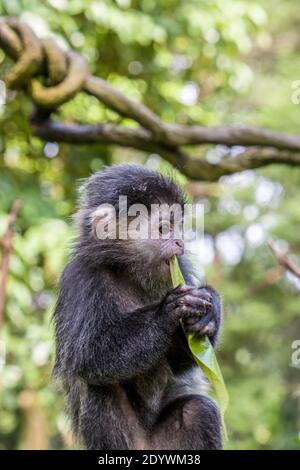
pixel 131 218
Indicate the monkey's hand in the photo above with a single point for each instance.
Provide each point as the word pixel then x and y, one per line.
pixel 198 308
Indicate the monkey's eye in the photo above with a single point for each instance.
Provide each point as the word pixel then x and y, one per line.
pixel 164 228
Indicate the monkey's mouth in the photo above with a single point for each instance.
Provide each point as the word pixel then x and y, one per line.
pixel 165 265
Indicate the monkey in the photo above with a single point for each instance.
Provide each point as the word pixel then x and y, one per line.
pixel 122 355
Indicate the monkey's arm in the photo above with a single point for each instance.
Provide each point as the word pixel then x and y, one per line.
pixel 101 344
pixel 112 351
pixel 137 340
pixel 132 344
pixel 98 342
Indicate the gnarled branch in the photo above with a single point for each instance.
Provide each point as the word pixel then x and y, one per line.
pixel 66 73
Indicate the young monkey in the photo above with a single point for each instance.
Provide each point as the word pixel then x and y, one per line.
pixel 121 354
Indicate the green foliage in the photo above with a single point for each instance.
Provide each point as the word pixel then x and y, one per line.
pixel 204 354
pixel 208 62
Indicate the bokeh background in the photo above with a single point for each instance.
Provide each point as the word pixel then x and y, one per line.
pixel 211 62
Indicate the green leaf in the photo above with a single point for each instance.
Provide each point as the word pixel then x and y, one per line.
pixel 176 274
pixel 204 353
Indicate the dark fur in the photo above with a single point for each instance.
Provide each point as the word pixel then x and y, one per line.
pixel 121 353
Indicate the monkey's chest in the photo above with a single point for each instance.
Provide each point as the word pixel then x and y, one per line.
pixel 146 392
pixel 152 391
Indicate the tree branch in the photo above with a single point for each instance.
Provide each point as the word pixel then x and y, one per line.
pixel 67 74
pixel 141 139
pixel 231 136
pixel 283 259
pixel 124 106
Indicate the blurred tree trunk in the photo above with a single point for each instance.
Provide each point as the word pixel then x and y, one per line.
pixel 34 432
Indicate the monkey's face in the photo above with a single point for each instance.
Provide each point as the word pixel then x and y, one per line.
pixel 154 252
pixel 141 240
pixel 165 237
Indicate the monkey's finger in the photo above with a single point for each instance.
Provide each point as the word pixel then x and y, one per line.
pixel 208 330
pixel 183 288
pixel 177 293
pixel 191 320
pixel 185 311
pixel 206 325
pixel 172 307
pixel 185 307
pixel 201 292
pixel 202 304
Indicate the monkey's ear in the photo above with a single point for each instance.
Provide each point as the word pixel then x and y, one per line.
pixel 101 219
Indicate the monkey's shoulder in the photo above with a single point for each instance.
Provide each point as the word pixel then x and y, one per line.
pixel 99 287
